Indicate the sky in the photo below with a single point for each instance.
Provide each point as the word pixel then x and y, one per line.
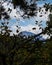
pixel 27 24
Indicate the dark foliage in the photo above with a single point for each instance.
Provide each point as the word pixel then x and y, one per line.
pixel 16 50
pixel 3 15
pixel 28 8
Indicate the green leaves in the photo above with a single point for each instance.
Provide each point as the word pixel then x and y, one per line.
pixel 18 52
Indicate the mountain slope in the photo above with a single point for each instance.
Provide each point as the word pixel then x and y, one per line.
pixel 27 34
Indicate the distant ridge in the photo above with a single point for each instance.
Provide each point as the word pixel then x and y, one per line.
pixel 27 34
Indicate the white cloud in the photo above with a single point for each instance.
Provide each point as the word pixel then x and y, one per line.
pixel 44 16
pixel 19 12
pixel 13 28
pixel 15 13
pixel 26 28
pixel 29 27
pixel 45 36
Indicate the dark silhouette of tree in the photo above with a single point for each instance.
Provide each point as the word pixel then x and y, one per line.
pixel 29 8
pixel 48 6
pixel 17 50
pixel 5 29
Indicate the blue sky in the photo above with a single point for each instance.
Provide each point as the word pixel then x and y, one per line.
pixel 31 21
pixel 46 1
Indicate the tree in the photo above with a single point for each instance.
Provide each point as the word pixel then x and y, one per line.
pixel 16 50
pixel 3 14
pixel 5 29
pixel 28 8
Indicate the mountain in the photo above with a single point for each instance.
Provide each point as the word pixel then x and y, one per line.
pixel 27 34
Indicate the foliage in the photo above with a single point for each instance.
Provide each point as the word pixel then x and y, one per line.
pixel 16 50
pixel 3 14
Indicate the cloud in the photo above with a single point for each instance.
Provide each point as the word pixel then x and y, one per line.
pixel 45 36
pixel 27 28
pixel 13 28
pixel 16 13
pixel 28 24
pixel 43 13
